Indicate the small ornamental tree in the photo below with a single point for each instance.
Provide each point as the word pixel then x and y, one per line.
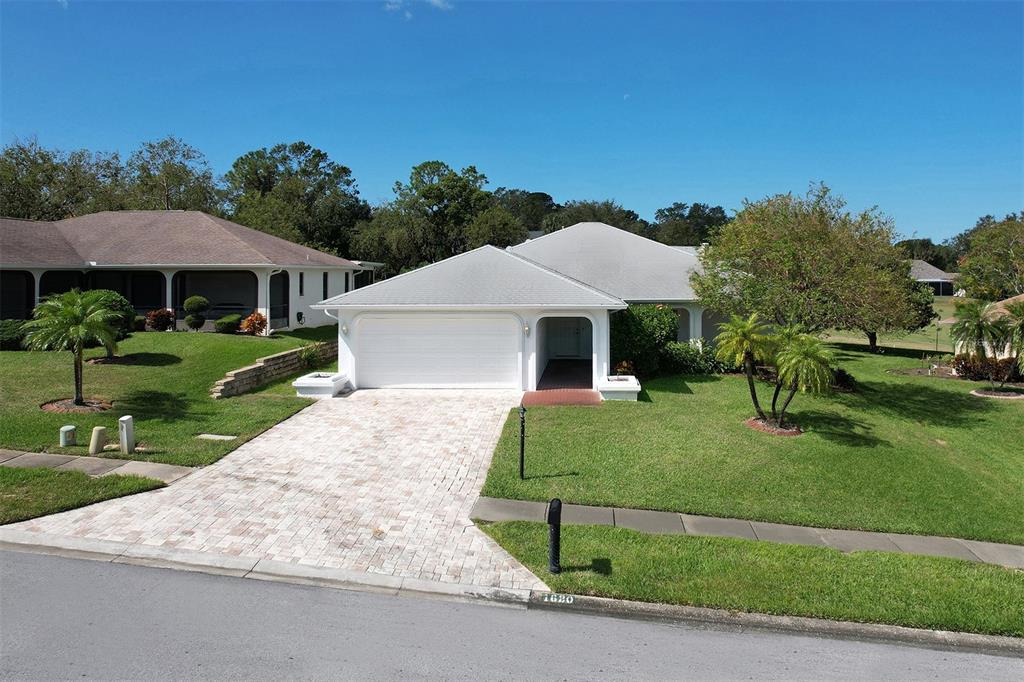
pixel 743 342
pixel 194 307
pixel 70 322
pixel 804 364
pixel 160 320
pixel 979 332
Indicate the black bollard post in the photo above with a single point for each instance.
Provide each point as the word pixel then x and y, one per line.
pixel 522 442
pixel 555 535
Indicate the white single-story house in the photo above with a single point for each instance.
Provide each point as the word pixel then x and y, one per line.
pixel 942 283
pixel 522 318
pixel 157 259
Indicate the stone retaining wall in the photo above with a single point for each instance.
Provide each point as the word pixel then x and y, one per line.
pixel 266 370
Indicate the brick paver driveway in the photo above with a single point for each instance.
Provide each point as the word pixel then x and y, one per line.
pixel 380 481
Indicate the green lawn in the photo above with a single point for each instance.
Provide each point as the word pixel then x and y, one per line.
pixel 164 383
pixel 902 454
pixel 764 577
pixel 27 493
pixel 934 338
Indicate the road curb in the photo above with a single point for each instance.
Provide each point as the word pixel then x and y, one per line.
pixel 255 568
pixel 739 620
pixel 252 568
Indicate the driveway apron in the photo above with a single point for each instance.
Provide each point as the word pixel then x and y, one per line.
pixel 380 481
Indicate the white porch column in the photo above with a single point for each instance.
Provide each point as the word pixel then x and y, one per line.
pixel 696 323
pixel 168 289
pixel 37 276
pixel 263 296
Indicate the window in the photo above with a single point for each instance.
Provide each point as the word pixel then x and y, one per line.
pixel 325 285
pixel 302 284
pixel 347 275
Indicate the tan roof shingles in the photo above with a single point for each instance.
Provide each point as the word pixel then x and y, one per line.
pixel 151 238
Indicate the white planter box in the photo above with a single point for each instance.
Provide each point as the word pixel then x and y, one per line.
pixel 320 385
pixel 623 387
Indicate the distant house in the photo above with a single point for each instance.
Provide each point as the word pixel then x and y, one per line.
pixel 157 259
pixel 942 283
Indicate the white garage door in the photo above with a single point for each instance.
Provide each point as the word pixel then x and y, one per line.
pixel 475 351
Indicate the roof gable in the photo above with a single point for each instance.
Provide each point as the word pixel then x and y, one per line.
pixel 624 264
pixel 486 277
pixel 925 271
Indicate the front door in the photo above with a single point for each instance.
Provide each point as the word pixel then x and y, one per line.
pixel 564 334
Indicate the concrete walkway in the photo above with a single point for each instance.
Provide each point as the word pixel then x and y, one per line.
pixel 93 466
pixel 646 521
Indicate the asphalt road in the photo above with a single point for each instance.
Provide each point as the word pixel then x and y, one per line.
pixel 66 618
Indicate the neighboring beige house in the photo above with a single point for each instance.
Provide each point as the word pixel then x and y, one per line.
pixel 157 259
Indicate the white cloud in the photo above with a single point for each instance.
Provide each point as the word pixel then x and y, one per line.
pixel 392 5
pixel 440 4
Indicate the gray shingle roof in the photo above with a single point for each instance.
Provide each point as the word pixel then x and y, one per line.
pixel 150 238
pixel 924 271
pixel 483 277
pixel 624 264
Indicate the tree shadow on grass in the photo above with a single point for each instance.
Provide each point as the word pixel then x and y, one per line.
pixel 145 359
pixel 157 405
pixel 838 429
pixel 677 384
pixel 849 351
pixel 599 566
pixel 919 402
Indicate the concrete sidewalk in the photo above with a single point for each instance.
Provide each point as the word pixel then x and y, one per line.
pixel 93 466
pixel 646 521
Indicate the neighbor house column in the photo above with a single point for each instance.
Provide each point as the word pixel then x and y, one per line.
pixel 696 324
pixel 263 295
pixel 168 288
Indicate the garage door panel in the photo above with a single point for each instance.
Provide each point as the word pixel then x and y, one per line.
pixel 435 350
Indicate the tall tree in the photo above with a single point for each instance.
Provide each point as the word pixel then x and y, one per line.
pixel 688 224
pixel 796 260
pixel 171 174
pixel 297 192
pixel 495 226
pixel 993 267
pixel 530 208
pixel 941 256
pixel 607 211
pixel 49 184
pixel 428 220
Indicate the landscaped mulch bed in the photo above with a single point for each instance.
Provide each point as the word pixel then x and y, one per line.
pixel 1000 395
pixel 765 427
pixel 67 406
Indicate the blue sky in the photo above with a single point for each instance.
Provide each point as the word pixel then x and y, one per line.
pixel 915 107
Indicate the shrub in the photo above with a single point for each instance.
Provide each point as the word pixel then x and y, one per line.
pixel 195 322
pixel 228 324
pixel 160 319
pixel 682 357
pixel 639 333
pixel 197 305
pixel 311 355
pixel 624 368
pixel 255 324
pixel 194 307
pixel 11 335
pixel 124 324
pixel 976 368
pixel 139 323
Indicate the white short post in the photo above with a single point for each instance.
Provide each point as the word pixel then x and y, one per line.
pixel 68 436
pixel 98 440
pixel 126 434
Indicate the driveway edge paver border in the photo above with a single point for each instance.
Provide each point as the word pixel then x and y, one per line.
pixel 279 571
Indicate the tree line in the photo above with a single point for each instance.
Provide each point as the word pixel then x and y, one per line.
pixel 298 192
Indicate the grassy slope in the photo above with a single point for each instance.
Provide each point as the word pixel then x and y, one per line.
pixel 27 493
pixel 166 389
pixel 924 339
pixel 765 577
pixel 903 454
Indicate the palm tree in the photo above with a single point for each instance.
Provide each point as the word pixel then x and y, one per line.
pixel 1015 331
pixel 744 342
pixel 804 364
pixel 974 331
pixel 776 342
pixel 71 321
